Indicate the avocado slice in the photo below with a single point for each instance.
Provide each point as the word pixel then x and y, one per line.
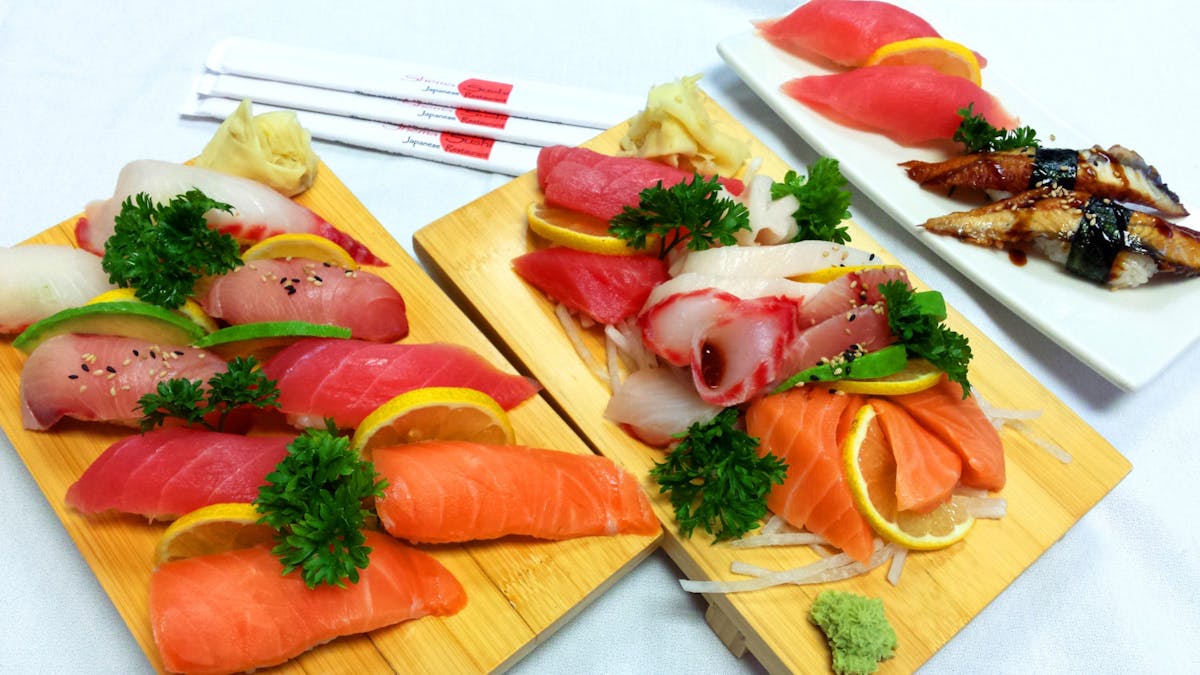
pixel 263 339
pixel 128 319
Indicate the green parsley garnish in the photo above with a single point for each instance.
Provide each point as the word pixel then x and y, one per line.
pixel 163 250
pixel 314 500
pixel 691 212
pixel 717 480
pixel 241 384
pixel 978 135
pixel 917 321
pixel 824 201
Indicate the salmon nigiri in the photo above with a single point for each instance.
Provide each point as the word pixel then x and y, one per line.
pixel 805 427
pixel 961 424
pixel 453 491
pixel 234 611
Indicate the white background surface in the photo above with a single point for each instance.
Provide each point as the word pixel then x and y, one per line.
pixel 87 87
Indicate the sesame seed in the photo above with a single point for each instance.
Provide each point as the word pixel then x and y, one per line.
pixel 72 376
pixel 82 388
pixel 110 369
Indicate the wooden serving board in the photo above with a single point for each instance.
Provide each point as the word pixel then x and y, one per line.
pixel 519 590
pixel 470 251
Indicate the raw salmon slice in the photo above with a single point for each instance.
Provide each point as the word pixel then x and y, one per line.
pixel 926 468
pixel 166 473
pixel 453 491
pixel 805 427
pixel 961 424
pixel 607 288
pixel 347 379
pixel 843 31
pixel 305 290
pixel 234 611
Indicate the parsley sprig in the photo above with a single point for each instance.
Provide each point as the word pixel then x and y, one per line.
pixel 314 499
pixel 978 135
pixel 690 211
pixel 917 320
pixel 717 480
pixel 824 201
pixel 162 250
pixel 189 400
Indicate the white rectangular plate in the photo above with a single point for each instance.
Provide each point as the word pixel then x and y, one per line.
pixel 1127 336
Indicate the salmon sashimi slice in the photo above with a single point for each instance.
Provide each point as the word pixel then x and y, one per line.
pixel 234 611
pixel 453 491
pixel 347 379
pixel 926 468
pixel 961 424
pixel 165 473
pixel 801 426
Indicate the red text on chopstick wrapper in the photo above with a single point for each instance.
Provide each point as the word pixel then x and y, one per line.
pixel 485 90
pixel 481 118
pixel 472 146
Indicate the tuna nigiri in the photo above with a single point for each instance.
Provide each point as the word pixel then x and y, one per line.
pixel 452 491
pixel 910 104
pixel 806 427
pixel 304 290
pixel 234 612
pixel 601 185
pixel 41 279
pixel 166 473
pixel 843 31
pixel 258 211
pixel 347 379
pixel 606 288
pixel 99 378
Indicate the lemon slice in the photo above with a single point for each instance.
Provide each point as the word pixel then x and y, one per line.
pixel 917 375
pixel 434 413
pixel 212 529
pixel 871 474
pixel 946 56
pixel 827 274
pixel 578 230
pixel 190 310
pixel 307 246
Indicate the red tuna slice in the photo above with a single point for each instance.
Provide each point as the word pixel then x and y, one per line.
pixel 347 379
pixel 669 327
pixel 166 473
pixel 602 185
pixel 743 351
pixel 607 288
pixel 926 468
pixel 963 426
pixel 99 378
pixel 910 104
pixel 305 290
pixel 847 292
pixel 843 31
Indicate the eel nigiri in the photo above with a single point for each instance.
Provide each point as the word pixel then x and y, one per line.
pixel 258 211
pixel 1119 174
pixel 843 31
pixel 347 379
pixel 165 473
pixel 38 280
pixel 1097 239
pixel 910 104
pixel 454 491
pixel 234 612
pixel 305 290
pixel 99 378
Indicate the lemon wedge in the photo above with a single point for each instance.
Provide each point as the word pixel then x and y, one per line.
pixel 917 375
pixel 827 274
pixel 871 474
pixel 190 309
pixel 577 230
pixel 212 529
pixel 946 56
pixel 434 413
pixel 299 245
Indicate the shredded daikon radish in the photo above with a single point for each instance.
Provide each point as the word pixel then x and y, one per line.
pixel 897 566
pixel 614 371
pixel 1043 442
pixel 984 507
pixel 776 524
pixel 834 568
pixel 780 539
pixel 1001 416
pixel 575 335
pixel 964 491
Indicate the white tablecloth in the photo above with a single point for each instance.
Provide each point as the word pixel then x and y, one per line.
pixel 88 86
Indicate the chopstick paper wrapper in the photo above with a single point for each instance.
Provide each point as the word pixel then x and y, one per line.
pixel 382 109
pixel 440 86
pixel 485 154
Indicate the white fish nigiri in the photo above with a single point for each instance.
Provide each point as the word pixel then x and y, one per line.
pixel 258 211
pixel 37 280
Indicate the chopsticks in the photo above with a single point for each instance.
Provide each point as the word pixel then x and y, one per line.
pixel 420 111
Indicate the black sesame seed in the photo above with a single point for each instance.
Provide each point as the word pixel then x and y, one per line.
pixel 153 355
pixel 317 278
pixel 851 318
pixel 110 369
pixel 291 290
pixel 72 376
pixel 136 353
pixel 85 367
